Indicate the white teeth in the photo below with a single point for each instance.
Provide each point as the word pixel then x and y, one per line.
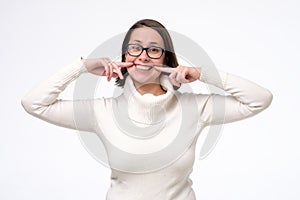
pixel 143 67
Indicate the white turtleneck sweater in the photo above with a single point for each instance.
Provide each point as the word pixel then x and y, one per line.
pixel 150 140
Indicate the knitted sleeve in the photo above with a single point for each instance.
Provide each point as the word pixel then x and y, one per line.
pixel 242 98
pixel 43 103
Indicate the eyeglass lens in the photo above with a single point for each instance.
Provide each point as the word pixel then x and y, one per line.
pixel 152 52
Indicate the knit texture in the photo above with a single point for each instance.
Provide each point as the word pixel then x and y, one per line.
pixel 150 140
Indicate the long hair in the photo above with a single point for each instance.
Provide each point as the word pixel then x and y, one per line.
pixel 170 56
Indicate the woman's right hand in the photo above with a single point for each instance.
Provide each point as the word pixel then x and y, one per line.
pixel 105 67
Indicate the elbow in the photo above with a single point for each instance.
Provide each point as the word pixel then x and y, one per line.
pixel 29 106
pixel 267 99
pixel 26 105
pixel 264 101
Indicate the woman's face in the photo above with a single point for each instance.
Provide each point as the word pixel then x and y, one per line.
pixel 139 72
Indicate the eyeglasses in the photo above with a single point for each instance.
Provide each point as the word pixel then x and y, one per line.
pixel 136 50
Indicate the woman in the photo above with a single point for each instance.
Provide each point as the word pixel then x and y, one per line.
pixel 155 148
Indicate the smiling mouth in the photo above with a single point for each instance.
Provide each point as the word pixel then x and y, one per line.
pixel 143 67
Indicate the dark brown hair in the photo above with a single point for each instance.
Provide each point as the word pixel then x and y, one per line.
pixel 170 56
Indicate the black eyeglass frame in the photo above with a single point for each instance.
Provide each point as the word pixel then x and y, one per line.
pixel 146 49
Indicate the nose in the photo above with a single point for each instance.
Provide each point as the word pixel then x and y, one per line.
pixel 144 57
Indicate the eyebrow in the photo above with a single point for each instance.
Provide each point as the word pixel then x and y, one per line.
pixel 141 42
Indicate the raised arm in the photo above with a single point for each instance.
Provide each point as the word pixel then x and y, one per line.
pixel 43 103
pixel 243 98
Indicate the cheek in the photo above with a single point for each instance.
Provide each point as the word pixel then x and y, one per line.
pixel 129 58
pixel 161 60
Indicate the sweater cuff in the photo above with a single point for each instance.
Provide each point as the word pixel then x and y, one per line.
pixel 71 71
pixel 214 77
pixel 83 69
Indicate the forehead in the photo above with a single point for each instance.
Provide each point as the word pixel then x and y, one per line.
pixel 146 36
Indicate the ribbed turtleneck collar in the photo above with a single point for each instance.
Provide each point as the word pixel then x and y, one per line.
pixel 148 109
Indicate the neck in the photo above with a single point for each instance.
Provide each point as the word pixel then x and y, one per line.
pixel 148 108
pixel 149 88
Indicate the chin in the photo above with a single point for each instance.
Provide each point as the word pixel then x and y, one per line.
pixel 143 80
pixel 144 77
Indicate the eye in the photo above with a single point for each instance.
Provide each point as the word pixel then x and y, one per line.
pixel 154 50
pixel 135 47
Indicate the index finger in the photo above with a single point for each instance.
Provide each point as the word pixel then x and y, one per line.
pixel 124 64
pixel 164 69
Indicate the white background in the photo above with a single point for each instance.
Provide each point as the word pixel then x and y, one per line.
pixel 257 158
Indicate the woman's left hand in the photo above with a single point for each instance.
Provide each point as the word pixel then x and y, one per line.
pixel 181 74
